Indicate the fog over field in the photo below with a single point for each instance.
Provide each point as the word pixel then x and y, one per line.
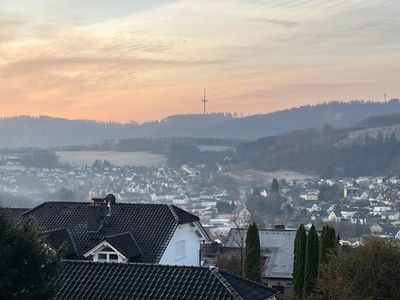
pixel 140 158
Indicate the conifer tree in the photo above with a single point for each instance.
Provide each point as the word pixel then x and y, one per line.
pixel 312 261
pixel 252 267
pixel 327 244
pixel 27 264
pixel 275 186
pixel 299 260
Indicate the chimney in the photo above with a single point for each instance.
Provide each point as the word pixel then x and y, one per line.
pixel 94 216
pixel 97 211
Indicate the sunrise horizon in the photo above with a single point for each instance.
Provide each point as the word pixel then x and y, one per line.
pixel 195 113
pixel 145 61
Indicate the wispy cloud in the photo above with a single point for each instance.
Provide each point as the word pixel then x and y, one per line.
pixel 79 60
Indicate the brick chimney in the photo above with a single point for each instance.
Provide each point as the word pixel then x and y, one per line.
pixel 94 217
pixel 97 209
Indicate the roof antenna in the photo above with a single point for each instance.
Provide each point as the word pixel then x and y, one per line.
pixel 109 208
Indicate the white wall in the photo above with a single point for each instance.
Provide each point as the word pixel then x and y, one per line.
pixel 192 247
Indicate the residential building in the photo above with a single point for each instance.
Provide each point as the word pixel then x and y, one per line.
pixel 104 230
pixel 277 247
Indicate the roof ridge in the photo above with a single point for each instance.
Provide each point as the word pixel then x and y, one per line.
pixel 139 264
pixel 171 234
pixel 173 212
pixel 72 240
pixel 225 283
pixel 32 209
pixel 119 234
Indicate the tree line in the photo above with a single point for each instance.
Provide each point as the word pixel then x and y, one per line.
pixel 324 270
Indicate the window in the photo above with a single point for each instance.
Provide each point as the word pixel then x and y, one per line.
pixel 102 257
pixel 179 250
pixel 106 254
pixel 113 257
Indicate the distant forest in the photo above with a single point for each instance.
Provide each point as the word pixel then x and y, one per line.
pixel 45 131
pixel 373 151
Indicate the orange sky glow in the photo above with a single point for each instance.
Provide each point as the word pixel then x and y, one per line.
pixel 130 60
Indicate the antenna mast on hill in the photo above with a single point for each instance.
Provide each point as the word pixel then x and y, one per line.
pixel 205 102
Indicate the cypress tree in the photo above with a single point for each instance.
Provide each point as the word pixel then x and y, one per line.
pixel 299 260
pixel 312 260
pixel 275 186
pixel 252 266
pixel 323 245
pixel 328 244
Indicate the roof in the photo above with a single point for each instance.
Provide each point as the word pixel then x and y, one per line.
pixel 125 243
pixel 58 237
pixel 93 280
pixel 151 225
pixel 279 245
pixel 15 213
pixel 184 216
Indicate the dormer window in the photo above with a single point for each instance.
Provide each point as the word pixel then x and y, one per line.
pixel 104 252
pixel 106 255
pixel 117 248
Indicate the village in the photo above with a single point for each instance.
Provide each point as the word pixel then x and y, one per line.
pixel 354 206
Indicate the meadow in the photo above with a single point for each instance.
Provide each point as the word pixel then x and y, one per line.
pixel 80 158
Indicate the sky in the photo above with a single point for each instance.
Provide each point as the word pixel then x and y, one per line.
pixel 125 60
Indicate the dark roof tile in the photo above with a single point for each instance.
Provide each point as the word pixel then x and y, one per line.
pixel 58 237
pixel 90 280
pixel 151 225
pixel 125 243
pixel 15 213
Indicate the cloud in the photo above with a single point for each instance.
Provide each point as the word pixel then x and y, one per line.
pixel 249 50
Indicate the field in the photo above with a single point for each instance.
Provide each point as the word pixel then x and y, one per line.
pixel 79 158
pixel 264 179
pixel 203 148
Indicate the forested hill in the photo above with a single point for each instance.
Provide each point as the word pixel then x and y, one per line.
pixel 46 131
pixel 371 147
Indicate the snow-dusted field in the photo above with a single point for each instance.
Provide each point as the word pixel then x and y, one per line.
pixel 79 158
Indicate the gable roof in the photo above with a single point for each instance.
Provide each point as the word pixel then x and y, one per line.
pixel 184 216
pixel 279 244
pixel 151 225
pixel 91 280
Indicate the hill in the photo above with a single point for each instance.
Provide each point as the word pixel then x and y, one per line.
pixel 45 131
pixel 371 147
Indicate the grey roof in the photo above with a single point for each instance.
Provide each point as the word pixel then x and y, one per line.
pixel 151 225
pixel 125 243
pixel 105 281
pixel 57 237
pixel 278 244
pixel 14 213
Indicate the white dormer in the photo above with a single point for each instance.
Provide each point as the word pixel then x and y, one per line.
pixel 105 252
pixel 116 248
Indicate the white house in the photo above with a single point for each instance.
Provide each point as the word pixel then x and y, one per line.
pixel 106 231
